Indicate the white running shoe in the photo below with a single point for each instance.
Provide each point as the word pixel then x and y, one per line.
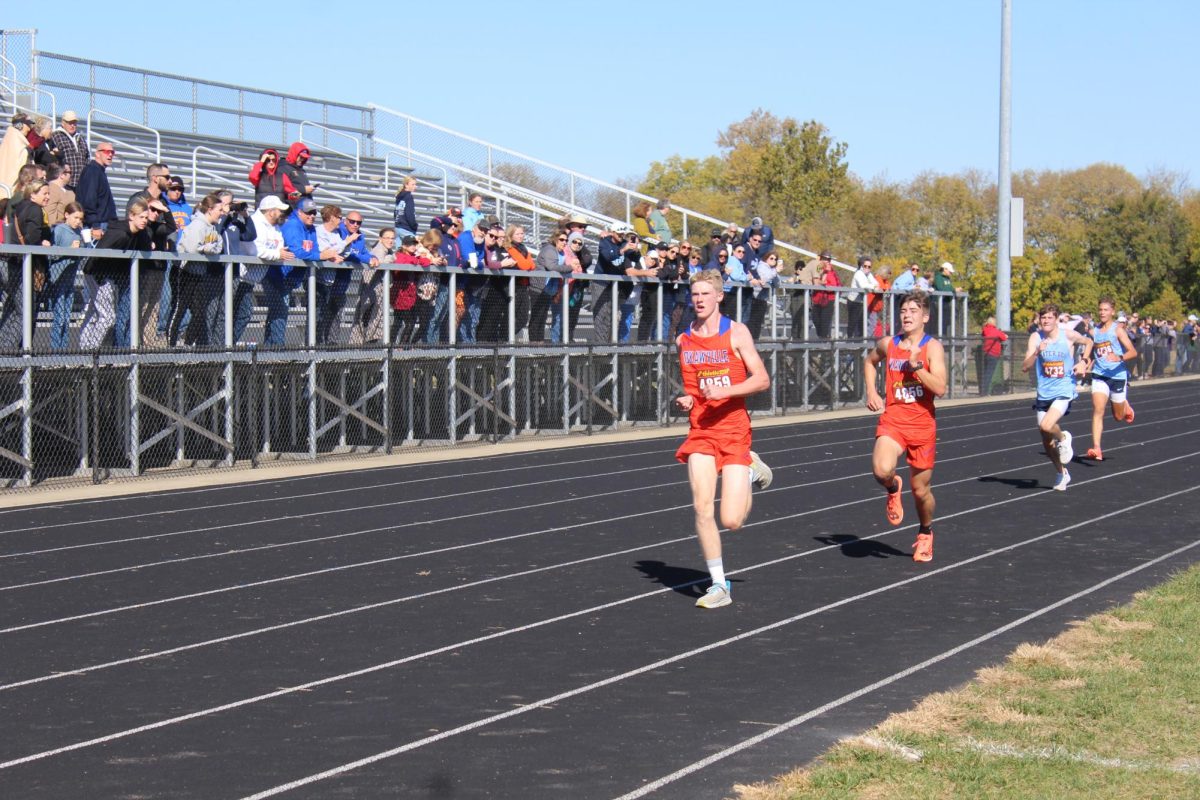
pixel 1060 483
pixel 717 595
pixel 1065 451
pixel 760 474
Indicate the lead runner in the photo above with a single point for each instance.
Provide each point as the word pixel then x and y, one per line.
pixel 915 374
pixel 720 367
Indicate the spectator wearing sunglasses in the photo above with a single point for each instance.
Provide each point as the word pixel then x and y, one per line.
pixel 267 178
pixel 93 192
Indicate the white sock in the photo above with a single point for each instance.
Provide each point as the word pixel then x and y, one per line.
pixel 716 568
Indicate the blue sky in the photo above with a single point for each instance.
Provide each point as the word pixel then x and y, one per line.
pixel 606 89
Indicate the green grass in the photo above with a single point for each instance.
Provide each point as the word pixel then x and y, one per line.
pixel 1109 709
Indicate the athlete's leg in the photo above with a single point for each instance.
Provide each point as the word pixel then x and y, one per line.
pixel 920 482
pixel 736 497
pixel 884 460
pixel 702 474
pixel 1099 400
pixel 1051 434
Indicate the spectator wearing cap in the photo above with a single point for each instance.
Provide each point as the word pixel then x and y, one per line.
pixel 181 212
pixel 58 176
pixel 69 146
pixel 300 238
pixel 442 221
pixel 14 150
pixel 619 255
pixel 658 220
pixel 449 253
pixel 268 177
pixel 942 282
pixel 94 193
pixel 293 171
pixel 708 252
pixel 823 302
pixel 471 243
pixel 574 223
pixel 404 211
pixel 268 246
pixel 766 236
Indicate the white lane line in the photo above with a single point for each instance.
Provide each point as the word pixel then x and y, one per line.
pixel 252 523
pixel 550 567
pixel 468 545
pixel 897 676
pixel 437 520
pixel 407 482
pixel 441 479
pixel 590 687
pixel 657 665
pixel 267 481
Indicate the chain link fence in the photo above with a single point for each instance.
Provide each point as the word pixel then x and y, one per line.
pixel 160 366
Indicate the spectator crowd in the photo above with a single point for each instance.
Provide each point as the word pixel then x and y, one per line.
pixel 58 194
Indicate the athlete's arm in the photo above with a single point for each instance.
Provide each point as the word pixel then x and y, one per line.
pixel 1130 351
pixel 1031 353
pixel 870 373
pixel 685 400
pixel 757 379
pixel 932 374
pixel 1085 361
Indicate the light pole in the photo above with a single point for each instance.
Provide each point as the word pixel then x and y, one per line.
pixel 1004 179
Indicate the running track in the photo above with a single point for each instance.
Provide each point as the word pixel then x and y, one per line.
pixel 521 626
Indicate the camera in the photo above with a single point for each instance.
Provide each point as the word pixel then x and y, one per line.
pixel 239 207
pixel 633 238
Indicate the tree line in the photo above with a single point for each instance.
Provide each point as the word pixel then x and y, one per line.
pixel 1094 231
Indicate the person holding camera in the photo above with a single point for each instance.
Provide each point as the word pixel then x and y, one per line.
pixel 620 255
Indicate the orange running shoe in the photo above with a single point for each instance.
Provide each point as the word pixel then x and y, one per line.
pixel 923 547
pixel 895 506
pixel 1128 412
pixel 1094 453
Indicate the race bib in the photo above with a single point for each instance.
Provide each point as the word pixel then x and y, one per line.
pixel 713 381
pixel 1054 369
pixel 908 392
pixel 1103 350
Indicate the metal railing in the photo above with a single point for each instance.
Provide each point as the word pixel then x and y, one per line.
pixel 580 189
pixel 196 169
pixel 15 88
pixel 387 158
pixel 156 156
pixel 357 154
pixel 181 102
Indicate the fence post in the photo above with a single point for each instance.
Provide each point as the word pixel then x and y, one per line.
pixel 27 303
pixel 253 393
pixel 387 398
pixel 95 422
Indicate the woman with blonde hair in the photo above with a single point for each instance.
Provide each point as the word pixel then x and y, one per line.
pixel 641 223
pixel 518 252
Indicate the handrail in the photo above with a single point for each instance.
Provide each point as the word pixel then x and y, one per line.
pixel 629 193
pixel 196 168
pixel 157 136
pixel 490 179
pixel 35 91
pixel 327 129
pixel 4 77
pixel 445 174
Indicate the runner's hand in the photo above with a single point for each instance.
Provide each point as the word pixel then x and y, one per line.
pixel 874 401
pixel 685 402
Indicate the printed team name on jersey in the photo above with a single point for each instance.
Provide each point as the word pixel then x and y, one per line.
pixel 706 356
pixel 900 365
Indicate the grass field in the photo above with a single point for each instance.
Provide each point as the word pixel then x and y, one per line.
pixel 1109 709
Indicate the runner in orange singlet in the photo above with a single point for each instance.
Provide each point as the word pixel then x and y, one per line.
pixel 915 374
pixel 720 367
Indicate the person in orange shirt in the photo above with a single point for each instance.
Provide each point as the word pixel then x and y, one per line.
pixel 720 368
pixel 875 303
pixel 915 374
